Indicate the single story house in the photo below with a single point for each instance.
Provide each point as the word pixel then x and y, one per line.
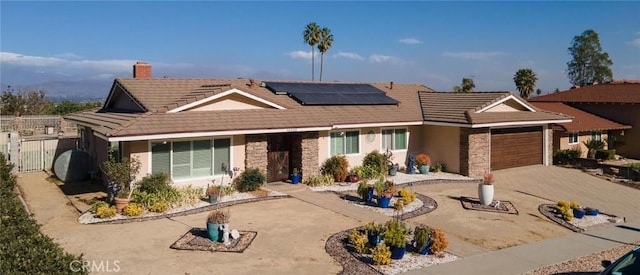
pixel 617 101
pixel 585 126
pixel 200 129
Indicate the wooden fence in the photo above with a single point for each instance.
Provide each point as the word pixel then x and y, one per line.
pixel 30 154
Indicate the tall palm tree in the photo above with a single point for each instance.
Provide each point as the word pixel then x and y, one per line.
pixel 525 80
pixel 311 35
pixel 467 85
pixel 326 41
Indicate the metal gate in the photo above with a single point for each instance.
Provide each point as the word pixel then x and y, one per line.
pixel 38 155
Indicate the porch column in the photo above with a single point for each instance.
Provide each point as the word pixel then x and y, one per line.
pixel 475 152
pixel 256 152
pixel 309 146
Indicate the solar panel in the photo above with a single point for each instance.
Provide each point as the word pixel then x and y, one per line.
pixel 332 93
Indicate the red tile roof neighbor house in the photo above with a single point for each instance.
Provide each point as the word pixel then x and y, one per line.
pixel 619 91
pixel 582 121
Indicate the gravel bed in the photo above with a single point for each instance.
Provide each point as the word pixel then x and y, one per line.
pixel 579 225
pixel 584 264
pixel 422 205
pixel 406 180
pixel 353 263
pixel 202 206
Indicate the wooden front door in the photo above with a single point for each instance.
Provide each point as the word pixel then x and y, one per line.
pixel 278 147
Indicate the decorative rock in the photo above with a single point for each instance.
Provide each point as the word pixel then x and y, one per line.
pixel 235 234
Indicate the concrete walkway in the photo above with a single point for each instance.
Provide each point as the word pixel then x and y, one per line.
pixel 524 258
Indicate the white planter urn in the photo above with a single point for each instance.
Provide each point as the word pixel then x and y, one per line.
pixel 485 193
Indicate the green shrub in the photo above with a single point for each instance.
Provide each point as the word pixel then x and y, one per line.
pixel 106 212
pixel 338 166
pixel 381 254
pixel 98 204
pixel 159 207
pixel 605 154
pixel 593 145
pixel 421 235
pixel 144 198
pixel 376 161
pixel 567 156
pixel 188 195
pixel 154 183
pixel 440 242
pixel 23 248
pixel 250 180
pixel 439 167
pixel 358 241
pixel 370 172
pixel 133 209
pixel 319 180
pixel 635 167
pixel 227 190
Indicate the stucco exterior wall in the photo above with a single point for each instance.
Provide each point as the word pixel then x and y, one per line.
pixel 231 102
pixel 442 143
pixel 238 152
pixel 562 140
pixel 628 114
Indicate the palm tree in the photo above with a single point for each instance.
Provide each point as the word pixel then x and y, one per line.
pixel 326 41
pixel 467 85
pixel 311 35
pixel 525 80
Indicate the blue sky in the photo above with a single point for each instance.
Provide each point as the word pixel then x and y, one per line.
pixel 433 43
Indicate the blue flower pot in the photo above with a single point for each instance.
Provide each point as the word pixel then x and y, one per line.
pixel 384 202
pixel 578 214
pixel 425 250
pixel 369 194
pixel 295 179
pixel 397 252
pixel 592 212
pixel 374 239
pixel 424 169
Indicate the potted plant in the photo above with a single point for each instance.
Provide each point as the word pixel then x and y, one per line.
pixel 215 220
pixel 214 192
pixel 355 174
pixel 395 237
pixel 591 211
pixel 374 232
pixel 578 212
pixel 485 189
pixel 295 176
pixel 423 161
pixel 391 167
pixel 122 174
pixel 365 191
pixel 384 193
pixel 438 241
pixel 422 239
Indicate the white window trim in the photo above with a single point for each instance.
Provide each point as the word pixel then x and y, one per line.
pixel 596 133
pixel 577 139
pixel 150 164
pixel 345 131
pixel 394 138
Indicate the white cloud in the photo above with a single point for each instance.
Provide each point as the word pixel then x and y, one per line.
pixel 472 55
pixel 348 55
pixel 410 41
pixel 55 63
pixel 379 58
pixel 635 42
pixel 300 55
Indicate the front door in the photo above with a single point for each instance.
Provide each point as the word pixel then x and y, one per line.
pixel 278 147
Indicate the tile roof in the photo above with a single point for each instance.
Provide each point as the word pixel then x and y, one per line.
pixel 462 107
pixel 161 95
pixel 582 121
pixel 621 91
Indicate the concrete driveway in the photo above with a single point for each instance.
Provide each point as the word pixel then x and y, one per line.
pixel 526 188
pixel 292 233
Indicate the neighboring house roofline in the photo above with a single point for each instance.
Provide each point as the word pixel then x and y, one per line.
pixel 583 121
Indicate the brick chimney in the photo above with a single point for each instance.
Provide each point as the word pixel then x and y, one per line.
pixel 142 70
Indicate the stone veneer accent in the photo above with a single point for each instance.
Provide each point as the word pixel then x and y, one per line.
pixel 309 146
pixel 256 152
pixel 549 133
pixel 475 146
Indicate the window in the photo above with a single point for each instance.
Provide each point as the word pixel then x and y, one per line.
pixel 596 135
pixel 83 141
pixel 114 151
pixel 394 139
pixel 573 138
pixel 345 143
pixel 188 159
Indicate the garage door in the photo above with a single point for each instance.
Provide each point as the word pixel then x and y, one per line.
pixel 516 147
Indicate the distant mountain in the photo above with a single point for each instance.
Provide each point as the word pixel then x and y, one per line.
pixel 81 90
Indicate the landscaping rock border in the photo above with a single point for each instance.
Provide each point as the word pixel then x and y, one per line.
pixel 198 239
pixel 428 204
pixel 505 207
pixel 190 211
pixel 336 248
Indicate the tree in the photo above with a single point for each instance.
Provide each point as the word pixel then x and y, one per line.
pixel 19 103
pixel 467 85
pixel 538 92
pixel 326 41
pixel 456 89
pixel 589 64
pixel 311 35
pixel 525 80
pixel 67 107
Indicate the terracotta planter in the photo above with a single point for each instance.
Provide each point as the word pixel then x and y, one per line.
pixel 121 203
pixel 485 193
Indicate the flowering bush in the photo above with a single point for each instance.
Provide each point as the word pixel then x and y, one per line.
pixel 423 159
